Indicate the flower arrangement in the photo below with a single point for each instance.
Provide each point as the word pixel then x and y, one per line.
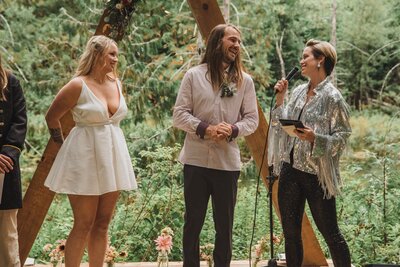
pixel 118 15
pixel 259 249
pixel 206 254
pixel 164 246
pixel 227 89
pixel 56 254
pixel 112 254
pixel 228 86
pixel 262 246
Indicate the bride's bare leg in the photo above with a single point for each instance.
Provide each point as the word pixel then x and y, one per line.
pixel 97 242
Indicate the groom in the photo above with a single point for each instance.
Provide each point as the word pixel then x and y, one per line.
pixel 216 104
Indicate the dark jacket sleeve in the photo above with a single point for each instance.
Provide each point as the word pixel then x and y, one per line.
pixel 15 136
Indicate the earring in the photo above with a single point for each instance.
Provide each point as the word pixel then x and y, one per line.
pixel 319 65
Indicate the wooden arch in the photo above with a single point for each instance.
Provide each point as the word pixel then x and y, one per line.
pixel 38 198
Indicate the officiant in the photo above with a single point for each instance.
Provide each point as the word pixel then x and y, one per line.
pixel 13 123
pixel 308 162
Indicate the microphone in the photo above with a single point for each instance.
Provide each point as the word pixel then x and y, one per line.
pixel 290 75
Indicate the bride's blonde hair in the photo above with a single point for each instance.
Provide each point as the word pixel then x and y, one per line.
pixel 94 54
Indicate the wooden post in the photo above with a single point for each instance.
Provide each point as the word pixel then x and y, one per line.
pixel 38 198
pixel 208 14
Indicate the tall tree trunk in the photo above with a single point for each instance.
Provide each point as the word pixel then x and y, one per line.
pixel 226 10
pixel 278 47
pixel 333 36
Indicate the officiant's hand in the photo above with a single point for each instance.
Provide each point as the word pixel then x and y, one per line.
pixel 6 164
pixel 306 134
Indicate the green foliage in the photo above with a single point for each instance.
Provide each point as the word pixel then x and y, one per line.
pixel 56 226
pixel 370 201
pixel 369 47
pixel 157 204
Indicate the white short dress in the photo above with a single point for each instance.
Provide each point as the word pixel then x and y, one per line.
pixel 94 158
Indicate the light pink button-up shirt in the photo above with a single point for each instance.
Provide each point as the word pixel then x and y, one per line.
pixel 198 105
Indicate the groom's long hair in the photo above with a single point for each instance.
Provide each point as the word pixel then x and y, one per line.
pixel 214 57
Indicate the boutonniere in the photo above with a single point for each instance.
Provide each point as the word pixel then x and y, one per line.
pixel 228 90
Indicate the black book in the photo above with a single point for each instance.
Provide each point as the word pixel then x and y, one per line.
pixel 290 125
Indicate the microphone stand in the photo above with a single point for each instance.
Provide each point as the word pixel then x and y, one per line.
pixel 272 262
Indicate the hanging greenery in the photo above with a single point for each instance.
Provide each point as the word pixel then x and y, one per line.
pixel 116 17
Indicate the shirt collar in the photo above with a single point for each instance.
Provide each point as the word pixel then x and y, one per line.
pixel 321 85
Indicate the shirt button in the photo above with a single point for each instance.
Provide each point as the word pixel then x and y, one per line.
pixel 1 111
pixel 1 123
pixel 1 135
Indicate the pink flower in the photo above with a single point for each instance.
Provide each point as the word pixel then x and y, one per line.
pixel 164 243
pixel 259 251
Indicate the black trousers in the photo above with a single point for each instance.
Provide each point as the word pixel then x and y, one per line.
pixel 295 187
pixel 199 184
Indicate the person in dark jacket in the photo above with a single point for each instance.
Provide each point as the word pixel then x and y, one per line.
pixel 13 121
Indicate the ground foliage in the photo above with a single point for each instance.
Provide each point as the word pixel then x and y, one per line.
pixel 41 40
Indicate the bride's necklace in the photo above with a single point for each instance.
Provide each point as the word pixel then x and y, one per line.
pixel 102 81
pixel 99 81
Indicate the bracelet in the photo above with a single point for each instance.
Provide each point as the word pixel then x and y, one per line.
pixel 56 135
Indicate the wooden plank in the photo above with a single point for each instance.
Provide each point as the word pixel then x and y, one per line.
pixel 208 14
pixel 38 198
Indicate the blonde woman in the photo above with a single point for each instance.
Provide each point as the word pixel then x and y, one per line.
pixel 12 136
pixel 93 163
pixel 308 164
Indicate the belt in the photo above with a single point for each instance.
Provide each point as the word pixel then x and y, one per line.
pixel 94 124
